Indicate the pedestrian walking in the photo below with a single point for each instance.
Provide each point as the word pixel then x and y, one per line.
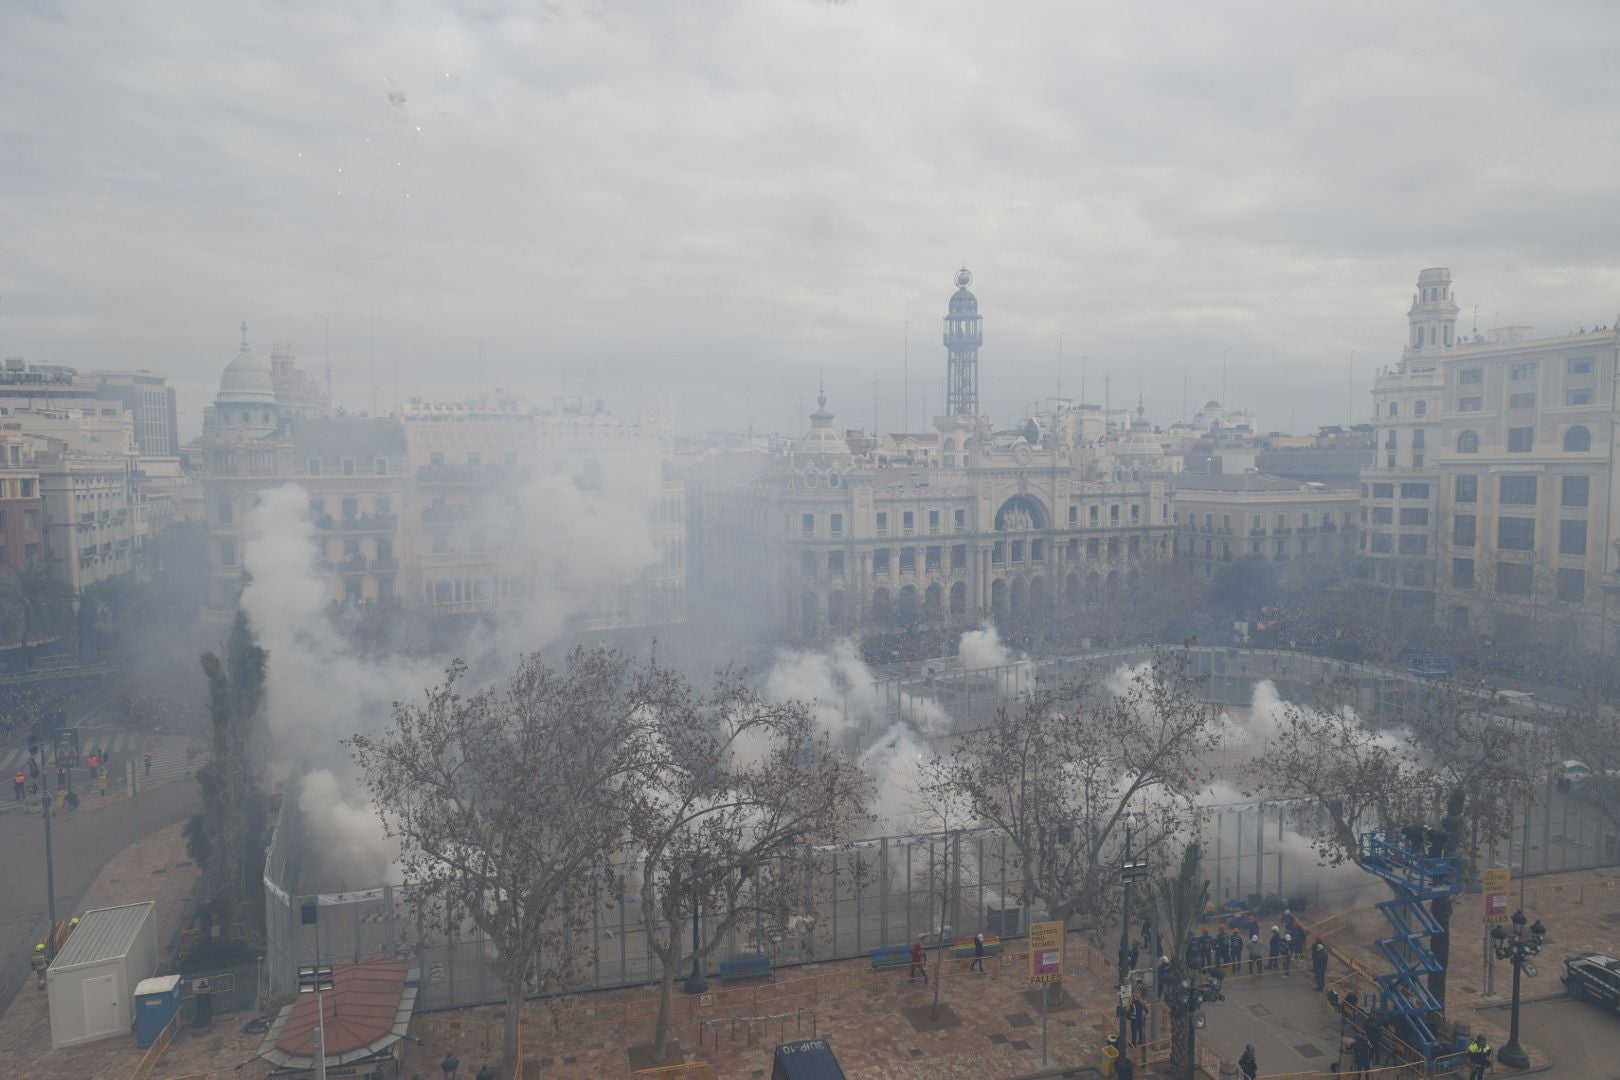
pixel 1250 1067
pixel 1479 1056
pixel 1254 954
pixel 919 962
pixel 146 763
pixel 19 783
pixel 1136 1013
pixel 40 962
pixel 1319 964
pixel 978 953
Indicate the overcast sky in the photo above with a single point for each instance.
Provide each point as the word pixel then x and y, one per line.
pixel 722 201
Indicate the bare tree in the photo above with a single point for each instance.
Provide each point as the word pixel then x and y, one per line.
pixel 734 787
pixel 507 803
pixel 1059 773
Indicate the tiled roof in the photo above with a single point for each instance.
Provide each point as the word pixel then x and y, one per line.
pixel 367 1010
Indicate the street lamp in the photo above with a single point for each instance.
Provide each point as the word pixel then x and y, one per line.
pixel 449 1066
pixel 1198 993
pixel 695 982
pixel 316 980
pixel 1129 872
pixel 1518 949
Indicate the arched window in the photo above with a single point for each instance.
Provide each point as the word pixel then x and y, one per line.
pixel 1421 408
pixel 1577 439
pixel 1468 443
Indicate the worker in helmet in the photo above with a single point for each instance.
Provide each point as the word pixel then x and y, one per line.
pixel 40 962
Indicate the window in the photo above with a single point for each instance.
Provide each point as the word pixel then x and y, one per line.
pixel 224 509
pixel 1414 491
pixel 351 507
pixel 807 524
pixel 1394 408
pixel 1390 441
pixel 1383 491
pixel 1462 531
pixel 1414 544
pixel 28 521
pixel 1572 538
pixel 1093 548
pixel 1074 516
pixel 348 466
pixel 1414 515
pixel 1518 491
pixel 1462 573
pixel 227 553
pixel 381 466
pixel 1577 440
pixel 1582 365
pixel 960 520
pixel 1418 440
pixel 1470 404
pixel 1515 579
pixel 882 522
pixel 1113 514
pixel 1525 400
pixel 1136 513
pixel 1522 372
pixel 1095 516
pixel 807 563
pixel 880 561
pixel 959 557
pixel 1383 543
pixel 1472 377
pixel 908 560
pixel 1577 397
pixel 436 458
pixel 933 521
pixel 313 466
pixel 1421 408
pixel 1576 490
pixel 837 524
pixel 441 542
pixel 1516 534
pixel 1383 515
pixel 908 522
pixel 933 557
pixel 1467 489
pixel 1520 440
pixel 1017 552
pixel 1572 586
pixel 1037 550
pixel 1468 442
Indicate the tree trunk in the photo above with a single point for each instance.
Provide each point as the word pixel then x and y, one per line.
pixel 1440 946
pixel 509 1032
pixel 1180 1031
pixel 666 996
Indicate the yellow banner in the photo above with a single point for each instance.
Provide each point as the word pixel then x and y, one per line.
pixel 1495 884
pixel 1045 952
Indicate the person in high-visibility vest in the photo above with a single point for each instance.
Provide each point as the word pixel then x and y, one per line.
pixel 101 782
pixel 19 783
pixel 40 961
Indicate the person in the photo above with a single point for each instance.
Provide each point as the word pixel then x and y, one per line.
pixel 1274 948
pixel 1361 1054
pixel 1166 975
pixel 146 763
pixel 978 953
pixel 19 783
pixel 1250 1067
pixel 1136 1013
pixel 61 778
pixel 1287 954
pixel 1206 950
pixel 40 962
pixel 94 762
pixel 1319 964
pixel 919 962
pixel 1124 1067
pixel 101 782
pixel 1254 954
pixel 1236 951
pixel 1479 1056
pixel 1134 957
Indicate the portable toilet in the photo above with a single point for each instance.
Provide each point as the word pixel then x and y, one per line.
pixel 91 983
pixel 156 1001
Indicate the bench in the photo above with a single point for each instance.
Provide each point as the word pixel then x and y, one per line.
pixel 757 966
pixel 962 948
pixel 890 956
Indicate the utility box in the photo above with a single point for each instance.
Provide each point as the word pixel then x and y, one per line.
pixel 156 1002
pixel 91 984
pixel 807 1059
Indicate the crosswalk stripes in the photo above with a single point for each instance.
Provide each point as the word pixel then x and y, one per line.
pixel 169 761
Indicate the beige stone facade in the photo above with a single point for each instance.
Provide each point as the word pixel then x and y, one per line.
pixel 1301 528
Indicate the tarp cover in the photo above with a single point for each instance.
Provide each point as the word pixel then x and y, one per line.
pixel 807 1059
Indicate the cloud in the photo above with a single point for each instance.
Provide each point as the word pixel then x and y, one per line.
pixel 721 201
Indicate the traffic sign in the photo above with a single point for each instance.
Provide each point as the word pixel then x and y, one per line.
pixel 67 748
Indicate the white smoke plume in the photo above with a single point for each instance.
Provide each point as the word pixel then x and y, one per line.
pixel 984 648
pixel 351 834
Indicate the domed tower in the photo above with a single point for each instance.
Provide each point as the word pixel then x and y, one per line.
pixel 1433 315
pixel 246 403
pixel 963 336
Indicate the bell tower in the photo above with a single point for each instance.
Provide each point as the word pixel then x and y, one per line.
pixel 963 336
pixel 1432 319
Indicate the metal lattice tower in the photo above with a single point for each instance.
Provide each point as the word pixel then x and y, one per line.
pixel 963 336
pixel 1417 878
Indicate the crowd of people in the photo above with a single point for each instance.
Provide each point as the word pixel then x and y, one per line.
pixel 38 706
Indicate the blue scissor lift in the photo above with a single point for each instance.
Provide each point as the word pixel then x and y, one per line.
pixel 1417 879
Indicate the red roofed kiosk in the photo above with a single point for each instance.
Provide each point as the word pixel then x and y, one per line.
pixel 366 1014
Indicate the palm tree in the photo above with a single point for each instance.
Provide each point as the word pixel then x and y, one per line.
pixel 1180 900
pixel 45 602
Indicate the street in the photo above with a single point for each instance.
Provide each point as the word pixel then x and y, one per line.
pixel 83 840
pixel 1582 1038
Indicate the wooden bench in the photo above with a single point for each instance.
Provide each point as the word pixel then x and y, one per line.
pixel 757 966
pixel 890 956
pixel 962 948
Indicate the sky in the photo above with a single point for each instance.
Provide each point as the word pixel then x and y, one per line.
pixel 726 202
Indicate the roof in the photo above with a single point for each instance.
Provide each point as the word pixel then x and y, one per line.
pixel 1237 482
pixel 158 984
pixel 367 1011
pixel 103 934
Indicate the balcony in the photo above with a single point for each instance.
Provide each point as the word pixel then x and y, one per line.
pixel 438 514
pixel 472 474
pixel 385 563
pixel 379 522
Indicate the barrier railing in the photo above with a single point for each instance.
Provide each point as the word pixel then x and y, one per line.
pixel 690 1070
pixel 149 1059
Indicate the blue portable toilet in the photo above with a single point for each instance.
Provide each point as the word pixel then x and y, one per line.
pixel 156 1002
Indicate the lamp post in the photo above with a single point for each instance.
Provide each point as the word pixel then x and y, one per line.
pixel 1129 872
pixel 695 982
pixel 1198 993
pixel 316 980
pixel 1517 948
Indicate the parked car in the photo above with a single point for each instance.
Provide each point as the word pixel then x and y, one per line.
pixel 1595 977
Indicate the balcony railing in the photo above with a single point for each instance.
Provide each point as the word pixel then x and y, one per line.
pixel 472 474
pixel 446 515
pixel 379 522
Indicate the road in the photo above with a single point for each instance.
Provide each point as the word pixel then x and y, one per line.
pixel 1583 1039
pixel 83 841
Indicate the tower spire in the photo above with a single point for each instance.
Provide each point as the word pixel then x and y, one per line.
pixel 964 334
pixel 244 335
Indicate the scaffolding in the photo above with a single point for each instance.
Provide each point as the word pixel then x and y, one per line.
pixel 1418 877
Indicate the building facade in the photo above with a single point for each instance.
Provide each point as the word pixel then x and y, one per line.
pixel 1300 528
pixel 150 401
pixel 1492 495
pixel 22 504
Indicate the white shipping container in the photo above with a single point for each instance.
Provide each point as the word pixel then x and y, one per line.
pixel 91 983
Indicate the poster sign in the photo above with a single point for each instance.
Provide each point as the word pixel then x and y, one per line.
pixel 1495 882
pixel 1045 952
pixel 67 748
